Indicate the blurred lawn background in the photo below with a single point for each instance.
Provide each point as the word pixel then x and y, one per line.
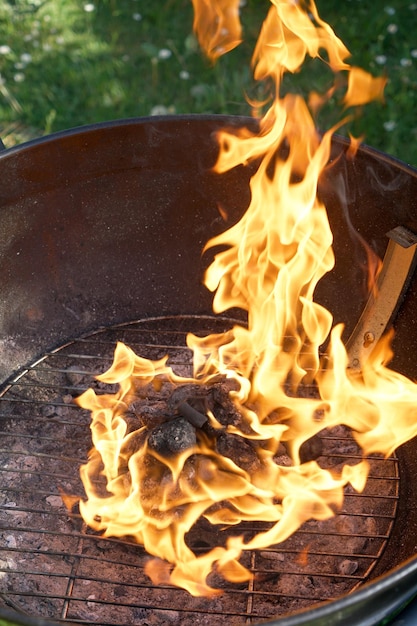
pixel 66 63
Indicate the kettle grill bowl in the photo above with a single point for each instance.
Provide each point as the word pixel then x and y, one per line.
pixel 106 223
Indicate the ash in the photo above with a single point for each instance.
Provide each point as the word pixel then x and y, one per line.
pixel 53 566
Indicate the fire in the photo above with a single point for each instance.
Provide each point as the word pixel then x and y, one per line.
pixel 217 25
pixel 270 265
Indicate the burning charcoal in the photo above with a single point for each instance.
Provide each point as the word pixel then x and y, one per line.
pixel 196 418
pixel 320 413
pixel 222 389
pixel 133 422
pixel 282 450
pixel 311 449
pixel 185 393
pixel 240 451
pixel 203 536
pixel 191 402
pixel 133 443
pixel 172 437
pixel 281 456
pixel 224 408
pixel 150 414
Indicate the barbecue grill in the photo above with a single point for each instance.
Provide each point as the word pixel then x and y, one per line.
pixel 101 235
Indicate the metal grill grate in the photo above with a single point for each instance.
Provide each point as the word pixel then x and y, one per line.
pixel 53 566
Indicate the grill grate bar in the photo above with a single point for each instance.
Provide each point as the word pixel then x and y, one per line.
pixel 34 473
pixel 4 507
pixel 20 529
pixel 42 439
pixel 243 592
pixel 102 559
pixel 41 455
pixel 52 387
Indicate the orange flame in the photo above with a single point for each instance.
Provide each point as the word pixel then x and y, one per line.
pixel 270 265
pixel 362 87
pixel 217 25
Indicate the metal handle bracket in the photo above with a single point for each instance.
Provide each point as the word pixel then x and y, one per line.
pixel 397 268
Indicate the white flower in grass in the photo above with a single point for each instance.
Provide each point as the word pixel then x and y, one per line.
pixel 26 58
pixel 164 53
pixel 60 40
pixel 161 109
pixel 137 17
pixel 381 59
pixel 390 125
pixel 414 53
pixel 389 10
pixel 89 7
pixel 198 91
pixel 184 75
pixel 405 62
pixel 19 77
pixel 392 29
pixel 4 49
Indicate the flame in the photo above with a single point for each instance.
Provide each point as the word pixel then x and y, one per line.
pixel 217 25
pixel 362 87
pixel 269 266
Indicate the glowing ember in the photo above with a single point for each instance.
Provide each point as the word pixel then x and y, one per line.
pixel 165 474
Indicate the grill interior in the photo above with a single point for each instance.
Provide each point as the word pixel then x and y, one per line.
pixel 53 566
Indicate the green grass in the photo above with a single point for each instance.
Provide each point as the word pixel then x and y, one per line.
pixel 63 66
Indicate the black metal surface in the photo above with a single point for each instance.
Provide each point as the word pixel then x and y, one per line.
pixel 103 224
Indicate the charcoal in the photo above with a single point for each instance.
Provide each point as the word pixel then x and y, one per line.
pixel 311 449
pixel 195 417
pixel 133 422
pixel 149 414
pixel 172 437
pixel 187 393
pixel 240 451
pixel 132 443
